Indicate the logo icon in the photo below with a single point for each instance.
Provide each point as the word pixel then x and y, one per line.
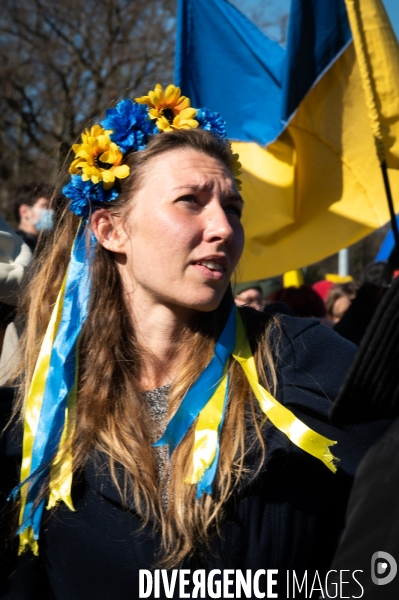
pixel 383 568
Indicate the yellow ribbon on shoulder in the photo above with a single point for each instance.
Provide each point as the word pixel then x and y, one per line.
pixel 300 434
pixel 207 427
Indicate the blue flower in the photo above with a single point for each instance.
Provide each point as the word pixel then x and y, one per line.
pixel 211 121
pixel 83 194
pixel 130 125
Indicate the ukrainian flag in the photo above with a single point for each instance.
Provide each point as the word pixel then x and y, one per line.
pixel 306 121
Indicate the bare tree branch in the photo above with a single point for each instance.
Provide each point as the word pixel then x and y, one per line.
pixel 62 64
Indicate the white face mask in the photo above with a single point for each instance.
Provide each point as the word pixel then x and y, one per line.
pixel 45 220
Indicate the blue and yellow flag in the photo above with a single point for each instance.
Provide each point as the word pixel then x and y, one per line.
pixel 300 120
pixel 387 245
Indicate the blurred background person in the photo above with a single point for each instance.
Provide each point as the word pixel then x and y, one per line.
pixel 303 300
pixel 339 299
pixel 15 257
pixel 248 294
pixel 375 280
pixel 32 212
pixel 370 394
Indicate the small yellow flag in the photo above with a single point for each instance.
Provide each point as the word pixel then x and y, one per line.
pixel 293 278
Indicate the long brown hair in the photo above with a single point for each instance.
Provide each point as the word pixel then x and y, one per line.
pixel 111 416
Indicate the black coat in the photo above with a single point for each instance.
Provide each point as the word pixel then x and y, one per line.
pixel 373 522
pixel 371 391
pixel 288 518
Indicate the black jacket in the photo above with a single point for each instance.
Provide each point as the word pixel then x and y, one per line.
pixel 29 239
pixel 288 518
pixel 371 391
pixel 373 522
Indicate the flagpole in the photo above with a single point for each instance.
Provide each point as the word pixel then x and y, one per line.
pixel 355 18
pixel 387 185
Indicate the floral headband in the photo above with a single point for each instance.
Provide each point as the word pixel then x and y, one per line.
pixel 99 158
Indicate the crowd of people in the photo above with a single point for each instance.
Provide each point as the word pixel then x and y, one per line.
pixel 159 419
pixel 346 307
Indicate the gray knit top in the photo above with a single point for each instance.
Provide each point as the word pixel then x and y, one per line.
pixel 157 404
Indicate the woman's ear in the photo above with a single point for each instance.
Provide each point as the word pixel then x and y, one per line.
pixel 109 230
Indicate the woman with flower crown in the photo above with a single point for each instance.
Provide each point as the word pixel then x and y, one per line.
pixel 163 428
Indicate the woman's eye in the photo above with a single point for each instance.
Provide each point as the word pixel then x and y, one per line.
pixel 233 210
pixel 188 198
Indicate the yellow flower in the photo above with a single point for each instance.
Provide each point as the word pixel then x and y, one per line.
pixel 98 159
pixel 169 108
pixel 236 168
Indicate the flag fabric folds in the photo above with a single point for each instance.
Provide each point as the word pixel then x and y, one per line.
pixel 318 33
pixel 228 64
pixel 377 51
pixel 311 178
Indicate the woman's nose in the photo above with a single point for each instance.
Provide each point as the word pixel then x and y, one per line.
pixel 218 226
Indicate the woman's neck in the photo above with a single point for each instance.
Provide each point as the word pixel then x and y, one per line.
pixel 159 331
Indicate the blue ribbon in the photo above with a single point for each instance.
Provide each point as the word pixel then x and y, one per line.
pixel 61 375
pixel 202 390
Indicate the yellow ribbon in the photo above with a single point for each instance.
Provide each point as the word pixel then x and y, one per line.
pixel 61 470
pixel 300 434
pixel 207 432
pixel 207 427
pixel 32 412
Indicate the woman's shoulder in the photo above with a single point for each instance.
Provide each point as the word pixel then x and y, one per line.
pixel 311 363
pixel 295 339
pixel 307 345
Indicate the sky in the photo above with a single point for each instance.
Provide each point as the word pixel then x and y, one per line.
pixel 265 12
pixel 392 7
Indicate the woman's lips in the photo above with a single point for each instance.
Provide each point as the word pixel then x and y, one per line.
pixel 210 269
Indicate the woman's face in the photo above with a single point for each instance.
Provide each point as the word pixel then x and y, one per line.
pixel 184 234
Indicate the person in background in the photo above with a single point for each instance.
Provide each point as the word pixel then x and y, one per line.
pixel 339 299
pixel 15 257
pixel 375 280
pixel 248 294
pixel 304 301
pixel 32 212
pixel 370 542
